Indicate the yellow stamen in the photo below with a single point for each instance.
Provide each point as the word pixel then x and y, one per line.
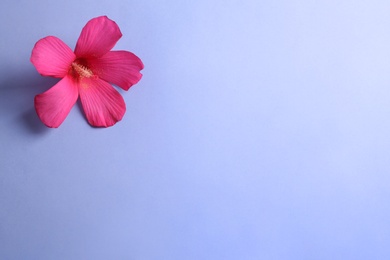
pixel 81 70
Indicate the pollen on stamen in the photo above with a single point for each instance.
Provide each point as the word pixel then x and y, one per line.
pixel 81 70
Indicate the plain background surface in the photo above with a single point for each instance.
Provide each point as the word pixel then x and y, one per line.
pixel 260 130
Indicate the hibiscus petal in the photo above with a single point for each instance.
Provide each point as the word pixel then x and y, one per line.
pixel 52 57
pixel 54 105
pixel 97 38
pixel 121 68
pixel 102 104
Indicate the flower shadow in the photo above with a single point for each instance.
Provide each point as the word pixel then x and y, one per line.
pixel 17 101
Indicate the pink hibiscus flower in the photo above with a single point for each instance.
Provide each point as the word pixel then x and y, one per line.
pixel 87 72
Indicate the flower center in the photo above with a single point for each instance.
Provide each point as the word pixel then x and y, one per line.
pixel 80 70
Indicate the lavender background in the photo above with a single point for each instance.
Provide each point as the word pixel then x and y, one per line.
pixel 260 131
